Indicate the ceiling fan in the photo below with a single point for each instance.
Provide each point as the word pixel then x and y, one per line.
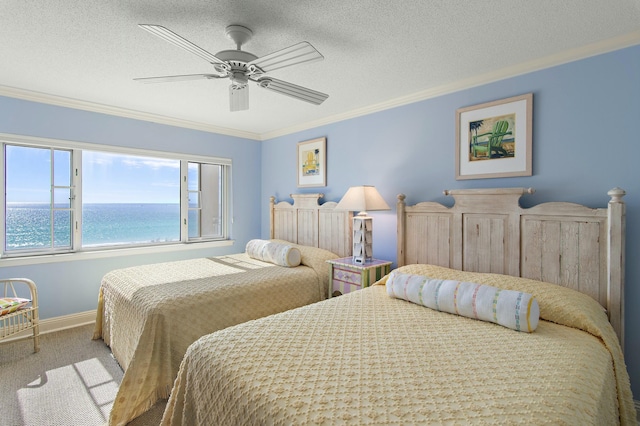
pixel 241 66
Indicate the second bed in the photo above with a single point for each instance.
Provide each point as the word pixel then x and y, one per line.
pixel 148 315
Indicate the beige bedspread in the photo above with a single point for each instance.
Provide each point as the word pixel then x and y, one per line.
pixel 366 358
pixel 150 314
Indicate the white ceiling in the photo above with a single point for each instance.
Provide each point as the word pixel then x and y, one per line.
pixel 378 53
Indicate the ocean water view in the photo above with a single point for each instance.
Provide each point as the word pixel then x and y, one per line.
pixel 28 225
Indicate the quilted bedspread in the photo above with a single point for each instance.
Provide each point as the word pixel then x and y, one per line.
pixel 150 314
pixel 367 358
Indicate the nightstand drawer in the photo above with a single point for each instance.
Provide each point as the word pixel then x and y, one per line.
pixel 346 275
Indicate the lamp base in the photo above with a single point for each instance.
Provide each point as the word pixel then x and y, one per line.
pixel 359 260
pixel 362 239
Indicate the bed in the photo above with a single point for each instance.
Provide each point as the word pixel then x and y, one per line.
pixel 368 358
pixel 150 314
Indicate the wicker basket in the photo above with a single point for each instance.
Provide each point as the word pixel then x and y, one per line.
pixel 23 319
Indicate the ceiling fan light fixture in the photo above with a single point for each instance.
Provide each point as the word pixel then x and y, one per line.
pixel 238 97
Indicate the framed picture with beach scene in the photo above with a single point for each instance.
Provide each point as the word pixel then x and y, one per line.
pixel 312 163
pixel 494 139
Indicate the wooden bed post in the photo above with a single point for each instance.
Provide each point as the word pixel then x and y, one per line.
pixel 272 203
pixel 615 254
pixel 401 229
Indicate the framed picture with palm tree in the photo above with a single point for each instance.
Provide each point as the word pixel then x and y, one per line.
pixel 493 139
pixel 312 163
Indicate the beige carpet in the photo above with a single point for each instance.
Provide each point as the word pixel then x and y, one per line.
pixel 73 380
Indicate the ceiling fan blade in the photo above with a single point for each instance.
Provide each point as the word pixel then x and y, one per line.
pixel 292 55
pixel 172 78
pixel 173 38
pixel 293 90
pixel 238 97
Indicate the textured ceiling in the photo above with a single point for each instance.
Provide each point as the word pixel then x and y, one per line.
pixel 377 52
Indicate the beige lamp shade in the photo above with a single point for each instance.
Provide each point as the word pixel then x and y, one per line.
pixel 362 199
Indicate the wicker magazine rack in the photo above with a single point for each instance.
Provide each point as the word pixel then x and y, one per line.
pixel 24 319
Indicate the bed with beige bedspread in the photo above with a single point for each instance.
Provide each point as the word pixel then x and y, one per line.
pixel 368 358
pixel 150 314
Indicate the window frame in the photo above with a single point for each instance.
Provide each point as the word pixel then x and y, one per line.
pixel 201 199
pixel 77 250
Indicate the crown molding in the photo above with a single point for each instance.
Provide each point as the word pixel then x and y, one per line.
pixel 604 46
pixel 571 55
pixel 62 101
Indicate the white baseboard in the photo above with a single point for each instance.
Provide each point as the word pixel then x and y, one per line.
pixel 67 321
pixel 50 325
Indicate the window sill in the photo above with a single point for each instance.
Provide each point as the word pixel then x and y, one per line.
pixel 99 254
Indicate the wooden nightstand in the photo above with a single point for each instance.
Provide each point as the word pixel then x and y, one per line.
pixel 347 276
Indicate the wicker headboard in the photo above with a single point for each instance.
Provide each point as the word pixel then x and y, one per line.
pixel 308 223
pixel 486 230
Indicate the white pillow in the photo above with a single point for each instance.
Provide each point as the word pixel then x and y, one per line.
pixel 272 252
pixel 509 308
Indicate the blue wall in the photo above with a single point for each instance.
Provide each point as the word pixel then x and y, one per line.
pixel 586 117
pixel 71 287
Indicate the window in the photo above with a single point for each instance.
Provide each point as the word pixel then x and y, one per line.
pixel 38 211
pixel 129 199
pixel 205 185
pixel 71 198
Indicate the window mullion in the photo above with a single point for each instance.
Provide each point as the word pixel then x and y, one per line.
pixel 76 202
pixel 184 201
pixel 52 200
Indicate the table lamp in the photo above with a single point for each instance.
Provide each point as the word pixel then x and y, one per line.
pixel 362 199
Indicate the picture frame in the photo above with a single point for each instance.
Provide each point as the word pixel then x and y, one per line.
pixel 311 163
pixel 494 139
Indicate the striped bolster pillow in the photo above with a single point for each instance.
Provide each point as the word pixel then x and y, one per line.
pixel 272 252
pixel 509 308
